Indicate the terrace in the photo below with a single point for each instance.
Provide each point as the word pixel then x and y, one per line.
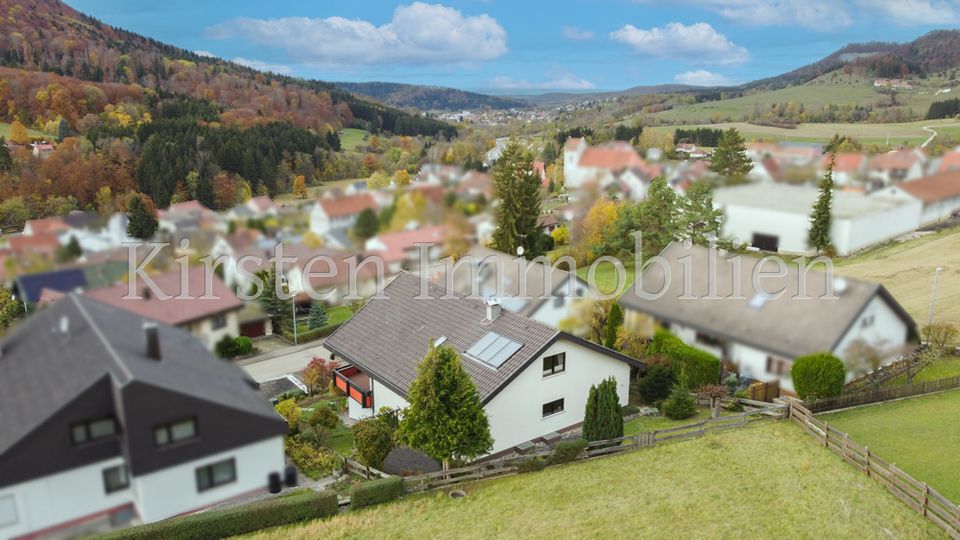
pixel 355 384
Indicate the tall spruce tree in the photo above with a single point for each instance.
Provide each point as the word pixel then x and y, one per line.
pixel 730 158
pixel 699 215
pixel 445 418
pixel 820 219
pixel 141 222
pixel 518 189
pixel 614 322
pixel 6 160
pixel 318 316
pixel 602 418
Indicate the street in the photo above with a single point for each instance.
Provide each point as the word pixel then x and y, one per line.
pixel 277 363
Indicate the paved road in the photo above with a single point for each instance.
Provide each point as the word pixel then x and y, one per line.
pixel 278 363
pixel 933 134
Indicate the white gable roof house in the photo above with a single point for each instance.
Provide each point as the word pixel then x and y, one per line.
pixel 754 331
pixel 533 380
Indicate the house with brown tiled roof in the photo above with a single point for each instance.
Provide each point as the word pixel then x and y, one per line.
pixel 532 380
pixel 848 167
pixel 399 250
pixel 43 245
pixel 476 184
pixel 939 193
pixel 207 314
pixel 895 166
pixel 584 164
pixel 339 212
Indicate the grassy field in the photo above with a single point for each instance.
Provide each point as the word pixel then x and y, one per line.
pixel 767 481
pixel 5 132
pixel 918 434
pixel 350 138
pixel 943 368
pixel 651 423
pixel 909 133
pixel 335 315
pixel 606 276
pixel 906 269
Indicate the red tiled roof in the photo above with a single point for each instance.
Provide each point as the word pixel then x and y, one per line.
pixel 950 161
pixel 476 181
pixel 897 159
pixel 614 157
pixel 262 203
pixel 398 244
pixel 49 225
pixel 173 311
pixel 572 143
pixel 36 243
pixel 934 188
pixel 844 162
pixel 347 205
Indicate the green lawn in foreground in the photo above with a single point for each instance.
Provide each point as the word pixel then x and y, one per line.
pixel 920 435
pixel 605 277
pixel 766 481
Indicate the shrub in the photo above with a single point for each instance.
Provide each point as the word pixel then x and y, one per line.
pixel 818 375
pixel 681 404
pixel 602 418
pixel 566 451
pixel 531 465
pixel 243 345
pixel 294 507
pixel 290 411
pixel 629 409
pixel 375 492
pixel 323 416
pixel 655 385
pixel 313 461
pixel 226 348
pixel 690 365
pixel 373 438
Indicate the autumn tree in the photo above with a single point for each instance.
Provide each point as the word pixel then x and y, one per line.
pixel 19 133
pixel 299 187
pixel 518 188
pixel 730 158
pixel 589 235
pixel 820 217
pixel 142 218
pixel 318 375
pixel 378 180
pixel 10 309
pixel 445 418
pixel 401 178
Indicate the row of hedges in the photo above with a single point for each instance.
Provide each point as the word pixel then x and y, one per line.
pixel 311 335
pixel 294 507
pixel 376 492
pixel 696 367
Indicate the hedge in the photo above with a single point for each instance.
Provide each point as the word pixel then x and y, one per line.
pixel 311 335
pixel 818 375
pixel 696 366
pixel 566 451
pixel 293 507
pixel 375 492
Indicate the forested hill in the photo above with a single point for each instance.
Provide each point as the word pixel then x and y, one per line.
pixel 51 37
pixel 429 98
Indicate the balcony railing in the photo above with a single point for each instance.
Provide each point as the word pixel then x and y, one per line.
pixel 355 384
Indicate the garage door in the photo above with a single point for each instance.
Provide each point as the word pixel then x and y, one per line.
pixel 766 242
pixel 253 329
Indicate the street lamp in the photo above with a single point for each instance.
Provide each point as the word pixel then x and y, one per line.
pixel 293 306
pixel 933 295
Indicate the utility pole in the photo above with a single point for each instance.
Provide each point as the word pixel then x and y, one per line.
pixel 933 296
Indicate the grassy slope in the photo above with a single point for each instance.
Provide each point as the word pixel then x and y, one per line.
pixel 350 138
pixel 768 481
pixel 906 269
pixel 606 276
pixel 5 132
pixel 919 434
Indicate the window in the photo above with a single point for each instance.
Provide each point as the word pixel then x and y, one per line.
pixel 554 407
pixel 709 340
pixel 777 366
pixel 554 364
pixel 115 478
pixel 92 430
pixel 218 322
pixel 216 474
pixel 868 321
pixel 165 434
pixel 558 301
pixel 8 511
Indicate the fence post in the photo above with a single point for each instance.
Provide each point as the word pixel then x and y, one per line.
pixel 845 438
pixel 926 498
pixel 866 450
pixel 826 435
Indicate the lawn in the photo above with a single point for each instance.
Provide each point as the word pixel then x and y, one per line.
pixel 335 315
pixel 350 138
pixel 651 423
pixel 942 368
pixel 768 481
pixel 920 435
pixel 906 269
pixel 606 276
pixel 5 132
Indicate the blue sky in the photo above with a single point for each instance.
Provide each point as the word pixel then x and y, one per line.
pixel 514 46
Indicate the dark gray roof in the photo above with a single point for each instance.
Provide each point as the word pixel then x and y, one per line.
pixel 406 461
pixel 65 348
pixel 787 325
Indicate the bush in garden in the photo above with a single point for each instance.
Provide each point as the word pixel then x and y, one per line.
pixel 566 451
pixel 655 385
pixel 226 347
pixel 375 492
pixel 531 465
pixel 293 507
pixel 312 460
pixel 602 417
pixel 290 411
pixel 323 416
pixel 373 438
pixel 681 404
pixel 243 346
pixel 818 375
pixel 318 375
pixel 690 364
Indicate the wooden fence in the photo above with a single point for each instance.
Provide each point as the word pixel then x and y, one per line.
pixel 914 493
pixel 910 363
pixel 875 395
pixel 508 466
pixel 356 467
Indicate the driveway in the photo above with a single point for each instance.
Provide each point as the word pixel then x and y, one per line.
pixel 277 363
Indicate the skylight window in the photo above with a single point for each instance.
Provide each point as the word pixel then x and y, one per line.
pixel 493 349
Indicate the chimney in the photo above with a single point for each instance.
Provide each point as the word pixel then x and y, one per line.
pixel 493 309
pixel 152 336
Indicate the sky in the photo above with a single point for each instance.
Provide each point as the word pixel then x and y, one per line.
pixel 526 46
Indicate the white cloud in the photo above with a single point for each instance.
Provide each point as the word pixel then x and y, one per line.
pixel 205 53
pixel 417 33
pixel 697 43
pixel 914 12
pixel 577 34
pixel 702 77
pixel 260 65
pixel 558 81
pixel 813 14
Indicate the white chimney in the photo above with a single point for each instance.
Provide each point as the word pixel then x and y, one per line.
pixel 493 309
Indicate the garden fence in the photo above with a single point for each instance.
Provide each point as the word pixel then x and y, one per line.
pixel 914 493
pixel 647 439
pixel 912 362
pixel 356 467
pixel 875 395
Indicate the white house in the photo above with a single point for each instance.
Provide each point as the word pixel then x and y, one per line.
pixel 714 301
pixel 530 288
pixel 138 423
pixel 848 167
pixel 939 193
pixel 895 166
pixel 533 380
pixel 776 217
pixel 584 164
pixel 331 213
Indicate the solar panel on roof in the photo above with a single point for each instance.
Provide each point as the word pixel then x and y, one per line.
pixel 493 349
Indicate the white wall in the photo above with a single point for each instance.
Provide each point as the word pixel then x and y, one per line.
pixel 204 331
pixel 850 235
pixel 173 490
pixel 887 331
pixel 936 211
pixel 515 413
pixel 62 497
pixel 384 397
pixel 550 313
